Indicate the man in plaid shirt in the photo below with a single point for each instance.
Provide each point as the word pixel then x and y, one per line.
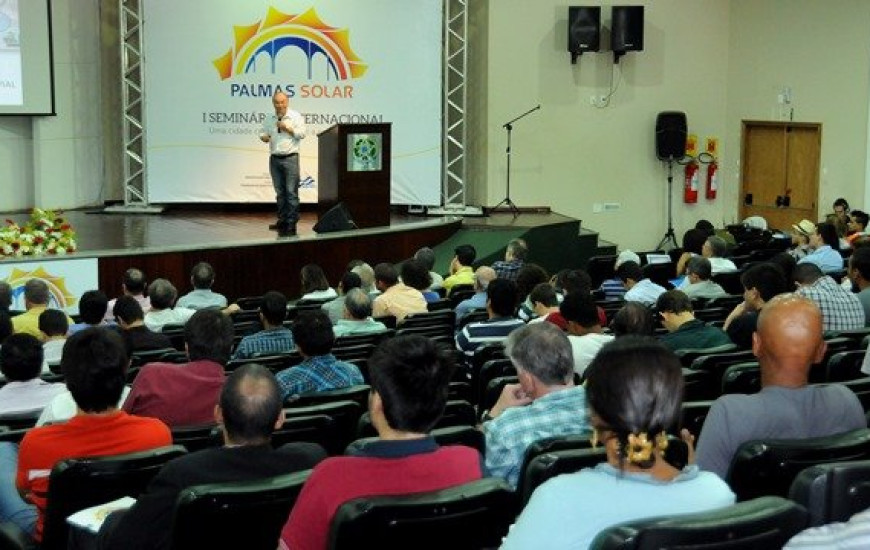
pixel 545 402
pixel 514 259
pixel 274 338
pixel 841 309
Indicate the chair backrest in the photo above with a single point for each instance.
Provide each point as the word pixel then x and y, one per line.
pixel 728 302
pixel 274 363
pixel 175 333
pixel 761 468
pixel 246 515
pixel 469 436
pixel 767 522
pixel 458 296
pixel 456 413
pixel 250 302
pixel 19 421
pixel 358 394
pixel 833 492
pixel 460 288
pixel 716 363
pixel 195 438
pixel 699 385
pixel 440 305
pixel 458 390
pixel 358 339
pixel 710 314
pixel 474 316
pixel 600 268
pixel 359 351
pixel 845 365
pixel 345 415
pixel 660 274
pixel 694 413
pixel 541 467
pixel 742 378
pixel 492 369
pixel 473 515
pixel 78 483
pixel 819 371
pixel 444 317
pixel 687 356
pixel 729 281
pixel 139 358
pixel 493 390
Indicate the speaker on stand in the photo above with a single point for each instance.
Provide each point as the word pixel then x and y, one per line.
pixel 671 130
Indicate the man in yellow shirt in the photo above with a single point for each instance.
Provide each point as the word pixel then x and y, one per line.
pixel 36 298
pixel 461 270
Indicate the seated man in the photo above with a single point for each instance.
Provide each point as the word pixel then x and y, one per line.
pixel 185 395
pixel 461 268
pixel 36 299
pixel 133 284
pixel 638 288
pixel 163 294
pixel 53 325
pixel 319 370
pixel 684 331
pixel 409 377
pixel 841 309
pixel 94 365
pixel 515 254
pixel 335 308
pixel 545 306
pixel 275 338
pixel 545 402
pixel 426 256
pixel 248 412
pixel 614 289
pixel 202 296
pixel 501 296
pixel 92 308
pixel 859 275
pixel 761 283
pixel 396 298
pixel 482 277
pixel 21 359
pixel 131 319
pixel 357 316
pixel 584 329
pixel 697 283
pixel 714 249
pixel 857 226
pixel 787 343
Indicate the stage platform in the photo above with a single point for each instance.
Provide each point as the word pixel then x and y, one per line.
pixel 249 258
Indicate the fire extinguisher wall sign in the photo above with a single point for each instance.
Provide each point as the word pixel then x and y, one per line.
pixel 690 189
pixel 712 180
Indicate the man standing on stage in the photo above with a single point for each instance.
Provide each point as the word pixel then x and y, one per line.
pixel 283 131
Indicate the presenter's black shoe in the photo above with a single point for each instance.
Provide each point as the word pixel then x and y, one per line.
pixel 289 231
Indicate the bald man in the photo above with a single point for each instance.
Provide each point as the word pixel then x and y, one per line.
pixel 283 131
pixel 482 277
pixel 787 342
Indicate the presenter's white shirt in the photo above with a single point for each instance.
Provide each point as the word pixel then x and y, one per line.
pixel 281 143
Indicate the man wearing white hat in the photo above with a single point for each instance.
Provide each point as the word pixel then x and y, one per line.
pixel 800 238
pixel 613 288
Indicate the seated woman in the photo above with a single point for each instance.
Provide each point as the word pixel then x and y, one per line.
pixel 634 387
pixel 826 249
pixel 315 287
pixel 415 275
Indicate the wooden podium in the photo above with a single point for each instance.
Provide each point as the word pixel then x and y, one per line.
pixel 353 165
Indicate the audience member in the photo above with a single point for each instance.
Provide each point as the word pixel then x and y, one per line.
pixel 787 343
pixel 800 239
pixel 275 338
pixel 785 262
pixel 638 288
pixel 850 534
pixel 545 306
pixel 94 365
pixel 515 254
pixel 185 394
pixel 528 277
pixel 367 276
pixel 857 226
pixel 416 276
pixel 25 393
pixel 584 329
pixel 335 308
pixel 202 296
pixel 162 294
pixel 409 378
pixel 482 277
pixel 131 319
pixel 545 402
pixel 684 331
pixel 92 310
pixel 633 318
pixel 859 273
pixel 839 219
pixel 54 327
pixel 36 299
pixel 634 389
pixel 841 310
pixel 357 316
pixel 426 256
pixel 315 286
pixel 825 245
pixel 500 296
pixel 133 284
pixel 714 249
pixel 697 283
pixel 319 369
pixel 396 298
pixel 693 245
pixel 761 282
pixel 613 289
pixel 249 410
pixel 461 270
pixel 5 305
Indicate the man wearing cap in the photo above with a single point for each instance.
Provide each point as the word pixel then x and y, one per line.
pixel 800 238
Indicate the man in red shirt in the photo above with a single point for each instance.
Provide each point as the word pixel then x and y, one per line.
pixel 185 395
pixel 409 377
pixel 94 365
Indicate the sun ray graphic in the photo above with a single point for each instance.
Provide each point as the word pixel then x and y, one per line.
pixel 61 297
pixel 277 30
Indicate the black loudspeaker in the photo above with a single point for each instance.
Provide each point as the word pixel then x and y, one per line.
pixel 626 33
pixel 671 132
pixel 336 218
pixel 584 30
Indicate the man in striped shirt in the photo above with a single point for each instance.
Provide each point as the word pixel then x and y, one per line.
pixel 501 295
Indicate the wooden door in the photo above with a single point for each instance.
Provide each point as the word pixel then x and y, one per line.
pixel 780 159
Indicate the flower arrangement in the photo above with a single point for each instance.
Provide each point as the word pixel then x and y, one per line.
pixel 46 232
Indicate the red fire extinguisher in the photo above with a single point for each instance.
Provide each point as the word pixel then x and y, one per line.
pixel 712 180
pixel 690 189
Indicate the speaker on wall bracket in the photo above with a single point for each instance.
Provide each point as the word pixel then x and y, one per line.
pixel 584 30
pixel 626 30
pixel 336 218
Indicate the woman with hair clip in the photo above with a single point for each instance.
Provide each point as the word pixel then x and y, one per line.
pixel 634 392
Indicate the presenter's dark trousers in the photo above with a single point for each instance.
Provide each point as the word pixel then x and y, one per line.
pixel 285 178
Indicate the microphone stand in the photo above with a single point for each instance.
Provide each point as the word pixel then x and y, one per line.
pixel 509 127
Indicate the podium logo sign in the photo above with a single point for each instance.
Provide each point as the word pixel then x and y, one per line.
pixel 327 49
pixel 364 152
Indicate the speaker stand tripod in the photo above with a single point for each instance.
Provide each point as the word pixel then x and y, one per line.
pixel 507 200
pixel 670 236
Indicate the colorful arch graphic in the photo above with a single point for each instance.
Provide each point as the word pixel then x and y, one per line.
pixel 280 30
pixel 61 297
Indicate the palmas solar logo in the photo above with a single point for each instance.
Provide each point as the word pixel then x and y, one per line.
pixel 319 42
